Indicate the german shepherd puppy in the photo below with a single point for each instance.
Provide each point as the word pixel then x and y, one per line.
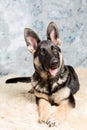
pixel 53 82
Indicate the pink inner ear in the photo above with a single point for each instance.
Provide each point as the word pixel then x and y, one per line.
pixel 32 41
pixel 53 37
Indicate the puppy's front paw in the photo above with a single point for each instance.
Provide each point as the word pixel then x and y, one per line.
pixel 51 122
pixel 43 118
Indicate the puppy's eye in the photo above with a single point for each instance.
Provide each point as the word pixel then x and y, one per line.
pixel 43 51
pixel 54 49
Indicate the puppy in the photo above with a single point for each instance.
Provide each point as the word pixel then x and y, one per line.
pixel 53 82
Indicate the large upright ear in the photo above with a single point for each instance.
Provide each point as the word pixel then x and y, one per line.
pixel 31 39
pixel 53 33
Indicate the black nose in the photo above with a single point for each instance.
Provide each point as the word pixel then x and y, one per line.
pixel 54 63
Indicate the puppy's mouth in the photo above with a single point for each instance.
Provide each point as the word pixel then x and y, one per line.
pixel 53 70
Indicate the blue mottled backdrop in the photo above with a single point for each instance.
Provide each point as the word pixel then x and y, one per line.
pixel 15 15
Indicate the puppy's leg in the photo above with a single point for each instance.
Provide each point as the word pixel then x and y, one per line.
pixel 43 110
pixel 62 111
pixel 66 102
pixel 60 114
pixel 41 95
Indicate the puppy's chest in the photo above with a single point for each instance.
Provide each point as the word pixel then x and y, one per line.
pixel 47 87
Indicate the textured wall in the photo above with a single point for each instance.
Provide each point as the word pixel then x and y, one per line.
pixel 15 15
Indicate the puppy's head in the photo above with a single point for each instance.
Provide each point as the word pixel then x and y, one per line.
pixel 47 53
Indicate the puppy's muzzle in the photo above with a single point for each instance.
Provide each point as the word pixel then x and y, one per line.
pixel 54 63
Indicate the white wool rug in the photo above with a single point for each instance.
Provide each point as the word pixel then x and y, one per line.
pixel 18 110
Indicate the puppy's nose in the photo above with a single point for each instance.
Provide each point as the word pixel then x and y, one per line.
pixel 53 63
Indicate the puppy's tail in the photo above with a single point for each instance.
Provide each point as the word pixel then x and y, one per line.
pixel 19 79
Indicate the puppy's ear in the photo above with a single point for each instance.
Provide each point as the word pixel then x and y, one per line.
pixel 53 33
pixel 31 39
